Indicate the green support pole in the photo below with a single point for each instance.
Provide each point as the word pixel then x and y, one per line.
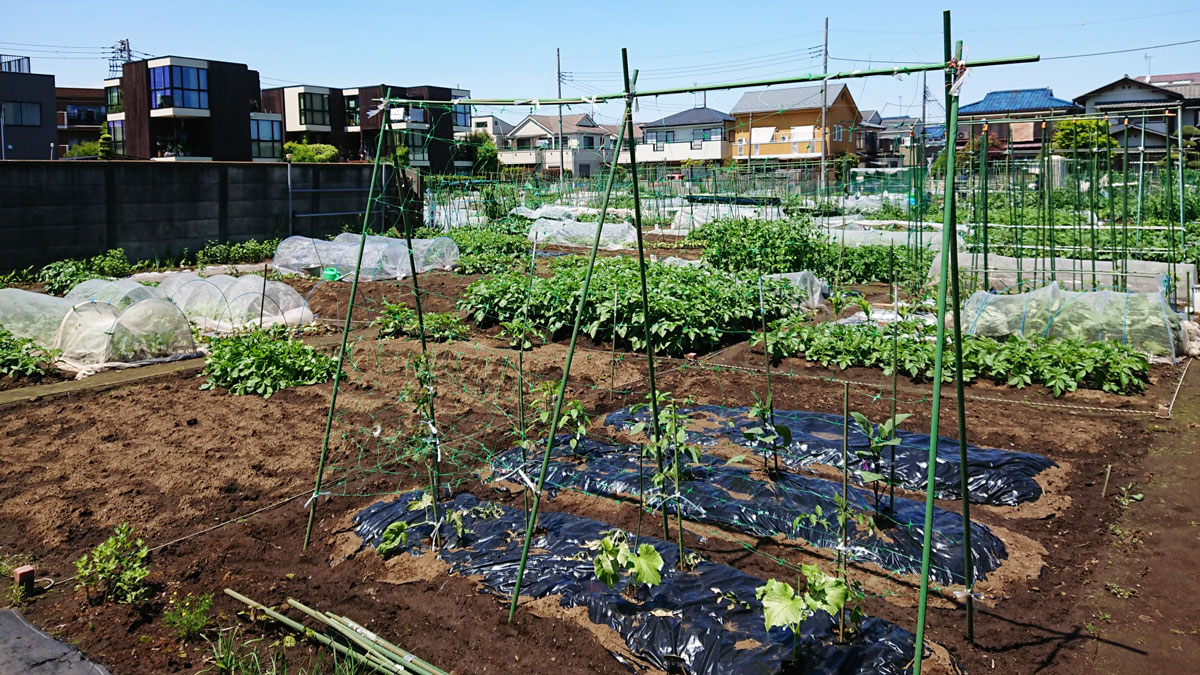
pixel 1092 213
pixel 1048 191
pixel 1125 212
pixel 1078 207
pixel 1168 188
pixel 983 198
pixel 947 243
pixel 312 504
pixel 562 385
pixel 648 335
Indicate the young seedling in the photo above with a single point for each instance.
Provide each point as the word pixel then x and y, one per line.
pixel 785 608
pixel 871 458
pixel 1127 496
pixel 614 559
pixel 768 432
pixel 672 447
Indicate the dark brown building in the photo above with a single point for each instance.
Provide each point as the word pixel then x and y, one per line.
pixel 79 115
pixel 26 111
pixel 172 108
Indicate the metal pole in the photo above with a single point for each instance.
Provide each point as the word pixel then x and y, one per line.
pixel 824 105
pixel 983 198
pixel 562 162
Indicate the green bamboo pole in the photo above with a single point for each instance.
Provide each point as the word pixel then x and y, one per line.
pixel 983 197
pixel 1076 217
pixel 371 637
pixel 845 502
pixel 562 385
pixel 1125 212
pixel 372 654
pixel 947 243
pixel 1048 192
pixel 312 505
pixel 647 334
pixel 1092 212
pixel 521 371
pixel 895 377
pixel 1112 201
pixel 1168 188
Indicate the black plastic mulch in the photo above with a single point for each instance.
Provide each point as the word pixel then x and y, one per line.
pixel 799 507
pixel 683 624
pixel 995 477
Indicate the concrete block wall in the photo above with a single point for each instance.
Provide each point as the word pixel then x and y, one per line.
pixel 75 209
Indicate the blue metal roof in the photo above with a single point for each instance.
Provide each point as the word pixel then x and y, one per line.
pixel 935 133
pixel 1016 100
pixel 693 116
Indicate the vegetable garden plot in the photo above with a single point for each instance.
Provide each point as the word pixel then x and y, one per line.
pixel 35 316
pixel 380 260
pixel 439 253
pixel 798 507
pixel 95 335
pixel 994 477
pixel 1144 321
pixel 686 623
pixel 1144 276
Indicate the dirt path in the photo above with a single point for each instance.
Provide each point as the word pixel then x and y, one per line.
pixel 1144 586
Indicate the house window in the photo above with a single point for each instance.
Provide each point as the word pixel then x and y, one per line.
pixel 670 137
pixel 462 115
pixel 85 114
pixel 352 118
pixel 179 87
pixel 112 97
pixel 416 115
pixel 314 109
pixel 22 114
pixel 266 139
pixel 116 129
pixel 481 124
pixel 837 133
pixel 416 146
pixel 589 142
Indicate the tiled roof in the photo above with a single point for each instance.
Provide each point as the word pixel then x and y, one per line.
pixel 1016 100
pixel 795 98
pixel 571 124
pixel 693 116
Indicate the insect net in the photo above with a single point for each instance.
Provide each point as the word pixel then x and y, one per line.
pixel 439 253
pixel 570 233
pixel 30 315
pixel 93 334
pixel 302 255
pixel 121 292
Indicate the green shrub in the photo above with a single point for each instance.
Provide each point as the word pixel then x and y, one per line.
pixel 84 149
pixel 116 569
pixel 310 152
pixel 20 357
pixel 189 617
pixel 498 200
pixel 111 263
pixel 486 250
pixel 264 361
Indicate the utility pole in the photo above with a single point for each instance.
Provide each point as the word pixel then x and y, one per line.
pixel 562 153
pixel 824 103
pixel 121 55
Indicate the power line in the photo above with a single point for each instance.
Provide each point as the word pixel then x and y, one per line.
pixel 1003 29
pixel 1119 51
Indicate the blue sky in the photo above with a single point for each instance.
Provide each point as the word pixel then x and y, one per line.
pixel 506 49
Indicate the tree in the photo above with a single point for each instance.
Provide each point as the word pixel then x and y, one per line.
pixel 401 156
pixel 85 149
pixel 968 155
pixel 104 148
pixel 1191 149
pixel 1082 135
pixel 310 152
pixel 481 149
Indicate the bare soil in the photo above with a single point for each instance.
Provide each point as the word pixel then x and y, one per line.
pixel 175 461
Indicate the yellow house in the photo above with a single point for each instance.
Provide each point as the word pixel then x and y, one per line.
pixel 786 125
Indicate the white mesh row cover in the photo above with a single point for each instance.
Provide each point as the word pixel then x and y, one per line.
pixel 439 253
pixel 299 255
pixel 34 316
pixel 613 236
pixel 1145 276
pixel 1143 321
pixel 121 292
pixel 93 335
pixel 253 303
pixel 815 289
pixel 854 236
pixel 456 213
pixel 692 216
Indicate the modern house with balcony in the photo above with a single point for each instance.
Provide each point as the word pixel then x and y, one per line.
pixel 173 108
pixel 785 126
pixel 27 128
pixel 1018 138
pixel 534 144
pixel 491 125
pixel 80 116
pixel 696 135
pixel 344 119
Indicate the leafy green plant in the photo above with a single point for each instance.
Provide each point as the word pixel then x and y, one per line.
pixel 236 253
pixel 767 433
pixel 572 419
pixel 614 560
pixel 785 608
pixel 59 277
pixel 310 152
pixel 1126 496
pixel 520 333
pixel 84 149
pixel 190 616
pixel 22 358
pixel 264 361
pixel 116 569
pixel 399 320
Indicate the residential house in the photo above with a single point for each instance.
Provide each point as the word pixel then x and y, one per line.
pixel 174 108
pixel 344 119
pixel 534 144
pixel 1138 111
pixel 786 125
pixel 1018 139
pixel 27 129
pixel 491 125
pixel 867 137
pixel 695 135
pixel 80 116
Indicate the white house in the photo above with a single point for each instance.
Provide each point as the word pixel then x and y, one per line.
pixel 699 134
pixel 534 144
pixel 493 126
pixel 1129 100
